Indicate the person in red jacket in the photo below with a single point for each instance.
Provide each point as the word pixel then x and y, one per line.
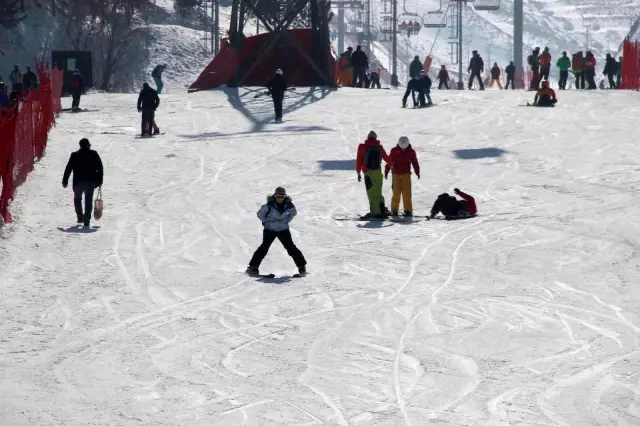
pixel 402 158
pixel 369 161
pixel 452 208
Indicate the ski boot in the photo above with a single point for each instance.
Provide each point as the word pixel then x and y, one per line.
pixel 252 271
pixel 394 214
pixel 302 271
pixel 156 131
pixel 408 214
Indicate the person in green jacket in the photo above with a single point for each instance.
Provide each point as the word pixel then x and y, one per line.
pixel 563 64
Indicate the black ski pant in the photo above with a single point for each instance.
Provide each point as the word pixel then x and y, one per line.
pixel 544 73
pixel 359 76
pixel 510 80
pixel 375 80
pixel 79 189
pixel 75 95
pixel 268 237
pixel 562 83
pixel 612 83
pixel 589 76
pixel 579 79
pixel 148 120
pixel 443 83
pixel 278 99
pixel 477 75
pixel 546 101
pixel 413 92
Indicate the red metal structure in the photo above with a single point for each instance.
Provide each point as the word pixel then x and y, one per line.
pixel 630 65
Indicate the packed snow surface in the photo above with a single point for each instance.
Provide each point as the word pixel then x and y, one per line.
pixel 528 314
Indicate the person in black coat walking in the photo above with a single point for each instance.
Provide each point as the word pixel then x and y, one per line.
pixel 611 70
pixel 86 166
pixel 510 70
pixel 76 87
pixel 148 102
pixel 277 86
pixel 360 63
pixel 476 65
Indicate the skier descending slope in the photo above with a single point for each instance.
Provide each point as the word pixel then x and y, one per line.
pixel 369 161
pixel 402 158
pixel 277 86
pixel 275 216
pixel 452 208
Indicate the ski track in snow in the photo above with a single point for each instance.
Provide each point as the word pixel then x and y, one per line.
pixel 528 314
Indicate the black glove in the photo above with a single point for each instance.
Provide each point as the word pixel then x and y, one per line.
pixel 386 175
pixel 456 190
pixel 139 109
pixel 359 178
pixel 65 184
pixel 418 175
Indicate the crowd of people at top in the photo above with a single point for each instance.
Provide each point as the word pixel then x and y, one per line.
pixel 582 66
pixel 20 82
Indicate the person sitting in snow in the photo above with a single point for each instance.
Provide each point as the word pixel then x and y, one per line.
pixel 275 216
pixel 452 208
pixel 546 96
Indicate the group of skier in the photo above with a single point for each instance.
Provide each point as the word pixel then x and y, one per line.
pixel 402 159
pixel 355 69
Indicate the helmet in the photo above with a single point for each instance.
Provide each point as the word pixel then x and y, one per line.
pixel 279 71
pixel 403 142
pixel 545 84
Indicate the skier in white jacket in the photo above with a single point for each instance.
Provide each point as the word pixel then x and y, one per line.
pixel 275 216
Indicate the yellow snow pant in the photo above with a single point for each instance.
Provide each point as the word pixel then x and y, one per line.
pixel 373 183
pixel 401 185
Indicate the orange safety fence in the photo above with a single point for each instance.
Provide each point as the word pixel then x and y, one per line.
pixel 24 128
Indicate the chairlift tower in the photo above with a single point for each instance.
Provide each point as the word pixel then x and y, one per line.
pixel 360 26
pixel 210 10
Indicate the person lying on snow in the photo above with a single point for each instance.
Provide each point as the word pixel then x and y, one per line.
pixel 545 97
pixel 402 158
pixel 275 216
pixel 452 208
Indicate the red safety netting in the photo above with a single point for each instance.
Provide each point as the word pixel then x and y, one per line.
pixel 630 65
pixel 23 133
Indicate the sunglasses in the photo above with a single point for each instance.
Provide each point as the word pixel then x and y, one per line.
pixel 280 197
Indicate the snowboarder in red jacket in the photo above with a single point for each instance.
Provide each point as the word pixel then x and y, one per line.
pixel 452 208
pixel 369 161
pixel 402 158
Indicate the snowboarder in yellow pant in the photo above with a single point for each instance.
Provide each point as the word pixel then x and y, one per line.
pixel 402 158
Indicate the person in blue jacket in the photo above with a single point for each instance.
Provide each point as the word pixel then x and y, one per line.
pixel 4 97
pixel 275 216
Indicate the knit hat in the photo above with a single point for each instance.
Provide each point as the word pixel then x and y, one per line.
pixel 280 191
pixel 84 143
pixel 372 135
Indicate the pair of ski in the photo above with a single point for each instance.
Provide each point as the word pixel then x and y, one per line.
pixel 272 276
pixel 290 89
pixel 400 219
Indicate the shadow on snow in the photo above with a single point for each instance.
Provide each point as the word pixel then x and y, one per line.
pixel 78 229
pixel 349 165
pixel 475 154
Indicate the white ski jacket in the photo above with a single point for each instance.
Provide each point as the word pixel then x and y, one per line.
pixel 275 218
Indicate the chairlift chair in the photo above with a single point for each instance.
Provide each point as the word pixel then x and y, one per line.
pixel 491 5
pixel 434 20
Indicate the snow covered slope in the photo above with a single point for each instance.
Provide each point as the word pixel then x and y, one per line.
pixel 528 314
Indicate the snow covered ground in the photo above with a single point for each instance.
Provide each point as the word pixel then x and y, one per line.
pixel 528 314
